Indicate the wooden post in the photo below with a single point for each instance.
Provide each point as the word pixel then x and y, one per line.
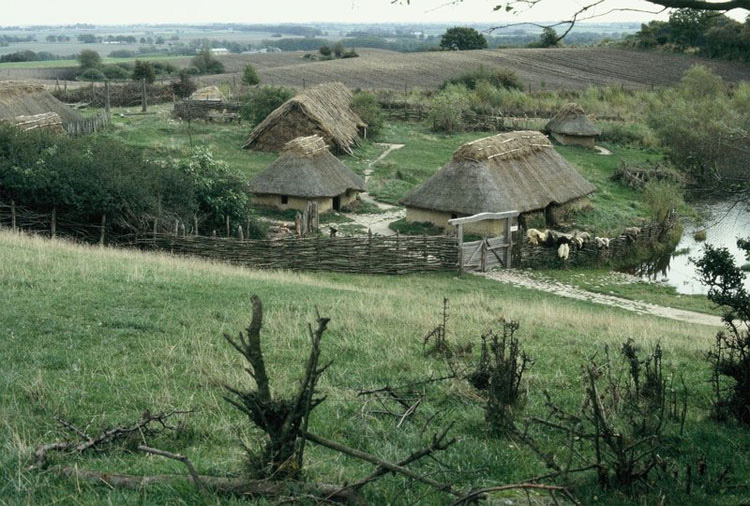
pixel 156 222
pixel 509 242
pixel 176 227
pixel 240 234
pixel 106 98
pixel 460 248
pixel 195 225
pixel 13 215
pixel 143 95
pixel 182 229
pixel 369 250
pixel 53 225
pixel 101 230
pixel 228 232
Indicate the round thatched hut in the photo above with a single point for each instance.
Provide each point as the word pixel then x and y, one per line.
pixel 571 126
pixel 306 171
pixel 322 110
pixel 517 171
pixel 29 105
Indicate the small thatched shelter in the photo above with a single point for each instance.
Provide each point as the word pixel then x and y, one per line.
pixel 571 126
pixel 517 171
pixel 306 171
pixel 26 98
pixel 322 110
pixel 208 94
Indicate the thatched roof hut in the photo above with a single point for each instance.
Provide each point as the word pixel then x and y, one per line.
pixel 25 98
pixel 208 93
pixel 516 171
pixel 322 110
pixel 304 171
pixel 49 121
pixel 571 126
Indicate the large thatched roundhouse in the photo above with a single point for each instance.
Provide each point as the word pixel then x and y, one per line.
pixel 571 126
pixel 322 110
pixel 306 171
pixel 26 98
pixel 517 171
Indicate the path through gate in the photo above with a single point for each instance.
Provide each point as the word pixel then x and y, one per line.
pixel 487 253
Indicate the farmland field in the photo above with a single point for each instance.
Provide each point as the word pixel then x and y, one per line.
pixel 381 69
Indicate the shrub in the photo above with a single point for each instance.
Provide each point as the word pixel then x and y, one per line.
pixel 260 102
pixel 115 72
pixel 250 75
pixel 88 59
pixel 206 63
pixel 628 134
pixel 325 50
pixel 144 70
pixel 185 86
pixel 498 77
pixel 447 109
pixel 122 53
pixel 660 197
pixel 92 75
pixel 366 106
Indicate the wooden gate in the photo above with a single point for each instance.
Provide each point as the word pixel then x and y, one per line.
pixel 487 253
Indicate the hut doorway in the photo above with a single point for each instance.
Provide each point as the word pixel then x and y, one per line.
pixel 337 203
pixel 489 252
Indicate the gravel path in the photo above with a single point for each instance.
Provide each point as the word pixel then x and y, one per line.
pixel 517 278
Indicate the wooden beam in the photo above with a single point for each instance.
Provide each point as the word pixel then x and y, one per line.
pixel 483 216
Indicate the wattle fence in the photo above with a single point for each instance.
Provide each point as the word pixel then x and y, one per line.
pixel 89 125
pixel 356 255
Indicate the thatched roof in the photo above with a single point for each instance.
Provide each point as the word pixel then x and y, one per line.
pixel 47 120
pixel 209 93
pixel 25 98
pixel 572 120
pixel 305 168
pixel 517 171
pixel 321 110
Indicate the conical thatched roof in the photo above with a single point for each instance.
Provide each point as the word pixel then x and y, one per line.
pixel 25 98
pixel 572 120
pixel 209 93
pixel 517 171
pixel 306 169
pixel 321 110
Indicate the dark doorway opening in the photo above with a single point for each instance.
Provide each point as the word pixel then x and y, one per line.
pixel 337 203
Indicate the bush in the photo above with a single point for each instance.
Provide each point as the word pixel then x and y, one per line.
pixel 628 134
pixel 250 75
pixel 660 197
pixel 144 70
pixel 88 59
pixel 122 53
pixel 92 75
pixel 115 72
pixel 448 108
pixel 260 102
pixel 498 77
pixel 206 63
pixel 366 106
pixel 185 86
pixel 325 50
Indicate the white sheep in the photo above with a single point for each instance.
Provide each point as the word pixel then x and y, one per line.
pixel 632 233
pixel 602 242
pixel 563 251
pixel 535 236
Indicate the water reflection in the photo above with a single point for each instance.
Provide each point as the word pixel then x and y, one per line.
pixel 725 223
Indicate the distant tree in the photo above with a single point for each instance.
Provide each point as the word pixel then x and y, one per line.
pixel 460 38
pixel 339 49
pixel 51 38
pixel 115 72
pixel 88 38
pixel 92 74
pixel 549 38
pixel 325 50
pixel 260 102
pixel 250 75
pixel 366 105
pixel 144 70
pixel 206 63
pixel 89 59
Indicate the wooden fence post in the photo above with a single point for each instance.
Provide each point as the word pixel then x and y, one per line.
pixel 156 221
pixel 460 248
pixel 13 215
pixel 106 98
pixel 53 225
pixel 143 95
pixel 369 250
pixel 229 234
pixel 101 230
pixel 195 225
pixel 176 227
pixel 240 234
pixel 182 229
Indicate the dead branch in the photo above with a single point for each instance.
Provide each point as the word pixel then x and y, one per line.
pixel 472 496
pixel 388 466
pixel 222 485
pixel 107 436
pixel 193 473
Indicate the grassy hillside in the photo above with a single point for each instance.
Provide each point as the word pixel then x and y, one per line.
pixel 99 335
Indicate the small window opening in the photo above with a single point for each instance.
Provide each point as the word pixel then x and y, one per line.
pixel 285 199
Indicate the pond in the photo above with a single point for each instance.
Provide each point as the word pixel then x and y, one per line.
pixel 724 223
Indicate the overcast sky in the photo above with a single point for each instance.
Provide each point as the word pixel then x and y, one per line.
pixel 28 12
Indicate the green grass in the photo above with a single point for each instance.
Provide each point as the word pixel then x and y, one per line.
pixel 607 282
pixel 74 63
pixel 99 335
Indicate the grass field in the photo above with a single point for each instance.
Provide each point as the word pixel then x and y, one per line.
pixel 100 335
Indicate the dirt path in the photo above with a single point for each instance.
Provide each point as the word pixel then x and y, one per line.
pixel 516 278
pixel 378 223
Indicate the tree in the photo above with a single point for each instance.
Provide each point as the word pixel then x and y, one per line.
pixel 250 75
pixel 89 59
pixel 144 70
pixel 259 102
pixel 207 63
pixel 549 37
pixel 185 86
pixel 325 51
pixel 460 38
